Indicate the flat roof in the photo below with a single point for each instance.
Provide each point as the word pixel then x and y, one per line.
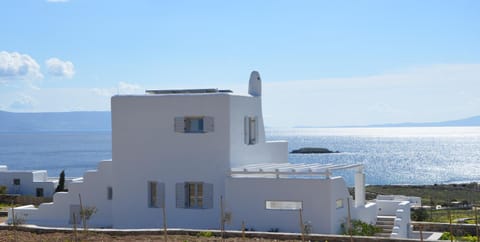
pixel 186 91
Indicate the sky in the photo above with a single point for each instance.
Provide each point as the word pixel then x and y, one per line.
pixel 323 63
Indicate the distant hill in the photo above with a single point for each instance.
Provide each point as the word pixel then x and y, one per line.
pixel 472 121
pixel 61 121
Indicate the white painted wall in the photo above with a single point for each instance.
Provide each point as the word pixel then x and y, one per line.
pixel 93 192
pixel 262 152
pixel 246 201
pixel 147 148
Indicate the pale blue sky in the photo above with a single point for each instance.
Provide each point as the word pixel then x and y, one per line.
pixel 322 62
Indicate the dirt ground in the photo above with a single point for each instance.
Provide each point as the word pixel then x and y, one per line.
pixel 9 235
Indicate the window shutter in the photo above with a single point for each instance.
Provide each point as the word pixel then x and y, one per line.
pixel 161 195
pixel 207 195
pixel 255 129
pixel 180 195
pixel 179 124
pixel 246 130
pixel 208 124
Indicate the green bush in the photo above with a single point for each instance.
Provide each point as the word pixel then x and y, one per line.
pixel 466 238
pixel 362 228
pixel 419 214
pixel 3 190
pixel 205 234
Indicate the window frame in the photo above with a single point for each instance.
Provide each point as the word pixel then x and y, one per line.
pixel 195 200
pixel 269 203
pixel 16 181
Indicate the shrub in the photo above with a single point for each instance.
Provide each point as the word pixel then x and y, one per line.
pixel 3 190
pixel 419 214
pixel 205 234
pixel 361 228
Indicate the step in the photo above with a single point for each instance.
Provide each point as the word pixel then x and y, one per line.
pixel 385 235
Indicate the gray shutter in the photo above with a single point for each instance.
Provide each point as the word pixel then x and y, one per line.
pixel 208 124
pixel 179 124
pixel 207 195
pixel 161 195
pixel 255 128
pixel 180 195
pixel 246 130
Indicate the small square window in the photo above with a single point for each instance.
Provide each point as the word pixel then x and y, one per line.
pixel 16 181
pixel 339 203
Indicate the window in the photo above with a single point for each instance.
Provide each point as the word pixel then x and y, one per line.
pixel 16 181
pixel 156 194
pixel 251 127
pixel 109 193
pixel 339 203
pixel 194 195
pixel 194 124
pixel 39 192
pixel 283 205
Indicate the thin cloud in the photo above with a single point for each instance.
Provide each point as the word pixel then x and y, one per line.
pixel 59 68
pixel 16 66
pixel 23 103
pixel 122 88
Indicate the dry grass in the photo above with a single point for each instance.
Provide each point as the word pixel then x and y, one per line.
pixel 9 235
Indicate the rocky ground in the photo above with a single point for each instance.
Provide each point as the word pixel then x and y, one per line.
pixel 10 235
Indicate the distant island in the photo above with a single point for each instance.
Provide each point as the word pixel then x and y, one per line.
pixel 313 150
pixel 466 122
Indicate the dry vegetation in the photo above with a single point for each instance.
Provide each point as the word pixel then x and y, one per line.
pixel 9 235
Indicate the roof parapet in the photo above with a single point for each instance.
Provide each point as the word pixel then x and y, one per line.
pixel 187 91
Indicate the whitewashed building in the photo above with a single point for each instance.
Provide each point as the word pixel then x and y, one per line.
pixel 32 183
pixel 202 155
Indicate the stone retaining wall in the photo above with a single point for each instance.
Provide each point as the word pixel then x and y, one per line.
pixel 457 229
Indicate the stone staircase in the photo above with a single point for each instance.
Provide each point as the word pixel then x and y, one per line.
pixel 386 223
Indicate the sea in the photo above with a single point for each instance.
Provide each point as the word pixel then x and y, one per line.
pixel 406 155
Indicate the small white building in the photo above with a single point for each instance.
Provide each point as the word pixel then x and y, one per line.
pixel 32 183
pixel 201 154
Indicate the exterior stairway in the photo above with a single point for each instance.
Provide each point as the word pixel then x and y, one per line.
pixel 386 223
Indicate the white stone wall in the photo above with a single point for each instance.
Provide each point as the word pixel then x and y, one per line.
pixel 147 148
pixel 93 192
pixel 262 152
pixel 246 199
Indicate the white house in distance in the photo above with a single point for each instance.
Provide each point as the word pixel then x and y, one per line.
pixel 33 183
pixel 202 154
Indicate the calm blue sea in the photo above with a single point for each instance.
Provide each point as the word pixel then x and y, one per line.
pixel 390 155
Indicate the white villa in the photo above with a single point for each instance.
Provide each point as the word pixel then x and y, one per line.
pixel 30 182
pixel 34 183
pixel 201 154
